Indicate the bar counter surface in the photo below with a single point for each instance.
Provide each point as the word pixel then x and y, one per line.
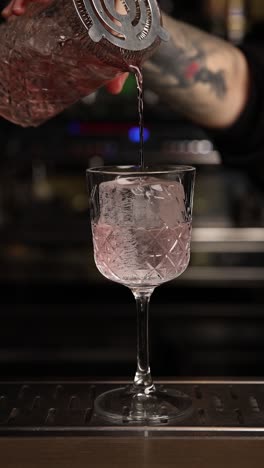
pixel 47 424
pixel 115 452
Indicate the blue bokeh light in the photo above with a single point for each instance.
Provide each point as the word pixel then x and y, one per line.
pixel 134 134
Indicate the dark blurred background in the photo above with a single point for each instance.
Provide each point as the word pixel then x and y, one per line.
pixel 59 316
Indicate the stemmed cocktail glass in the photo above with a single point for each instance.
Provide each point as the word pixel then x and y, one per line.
pixel 141 226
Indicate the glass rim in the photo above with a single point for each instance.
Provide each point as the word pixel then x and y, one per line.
pixel 136 170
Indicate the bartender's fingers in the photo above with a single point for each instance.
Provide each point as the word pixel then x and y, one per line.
pixel 18 7
pixel 116 85
pixel 7 11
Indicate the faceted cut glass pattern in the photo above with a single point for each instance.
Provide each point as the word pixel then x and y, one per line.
pixel 138 256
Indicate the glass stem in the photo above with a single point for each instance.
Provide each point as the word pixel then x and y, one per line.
pixel 143 380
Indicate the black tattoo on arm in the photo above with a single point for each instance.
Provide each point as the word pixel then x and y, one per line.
pixel 186 66
pixel 200 76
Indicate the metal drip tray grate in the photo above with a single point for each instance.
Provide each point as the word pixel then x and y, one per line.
pixel 66 407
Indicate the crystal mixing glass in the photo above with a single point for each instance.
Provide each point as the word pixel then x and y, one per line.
pixel 58 53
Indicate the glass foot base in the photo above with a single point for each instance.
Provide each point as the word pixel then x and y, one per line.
pixel 125 405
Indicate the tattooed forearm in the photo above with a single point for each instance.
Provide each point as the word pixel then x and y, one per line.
pixel 215 79
pixel 188 66
pixel 194 73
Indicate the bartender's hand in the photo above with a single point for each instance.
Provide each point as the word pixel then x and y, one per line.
pixel 116 85
pixel 18 7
